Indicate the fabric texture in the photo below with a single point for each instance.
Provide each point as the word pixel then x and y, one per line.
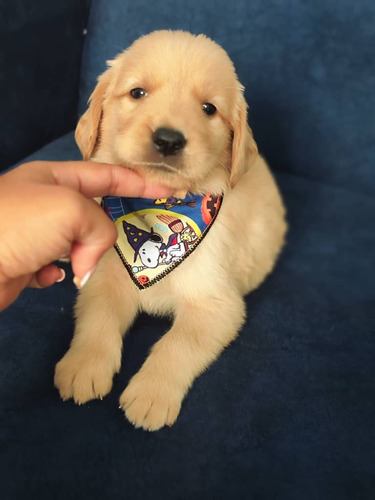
pixel 155 236
pixel 287 411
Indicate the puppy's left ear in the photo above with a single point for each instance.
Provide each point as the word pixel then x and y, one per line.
pixel 244 148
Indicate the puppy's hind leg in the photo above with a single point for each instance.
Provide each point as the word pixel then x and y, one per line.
pixel 105 309
pixel 200 332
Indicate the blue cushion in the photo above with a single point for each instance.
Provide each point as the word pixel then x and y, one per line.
pixel 308 68
pixel 62 149
pixel 286 412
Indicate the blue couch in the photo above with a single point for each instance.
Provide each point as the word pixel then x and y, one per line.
pixel 287 412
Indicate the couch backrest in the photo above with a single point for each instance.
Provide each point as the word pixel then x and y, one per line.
pixel 40 58
pixel 308 69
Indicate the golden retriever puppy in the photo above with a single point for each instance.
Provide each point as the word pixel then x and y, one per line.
pixel 171 107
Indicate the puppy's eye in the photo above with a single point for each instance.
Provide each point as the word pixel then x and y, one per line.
pixel 138 93
pixel 209 108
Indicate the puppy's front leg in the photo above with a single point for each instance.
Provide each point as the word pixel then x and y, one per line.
pixel 200 332
pixel 105 309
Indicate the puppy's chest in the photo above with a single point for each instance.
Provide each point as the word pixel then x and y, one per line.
pixel 157 237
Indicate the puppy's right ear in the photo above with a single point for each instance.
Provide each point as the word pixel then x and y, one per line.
pixel 87 129
pixel 244 148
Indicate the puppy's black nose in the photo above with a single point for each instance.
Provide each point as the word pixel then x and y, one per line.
pixel 168 141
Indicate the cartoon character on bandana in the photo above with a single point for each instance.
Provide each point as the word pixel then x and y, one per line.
pixel 150 247
pixel 180 239
pixel 145 244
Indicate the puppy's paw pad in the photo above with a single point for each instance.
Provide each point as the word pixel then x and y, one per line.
pixel 149 404
pixel 83 377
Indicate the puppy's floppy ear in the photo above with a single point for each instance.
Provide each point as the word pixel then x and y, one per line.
pixel 244 148
pixel 87 129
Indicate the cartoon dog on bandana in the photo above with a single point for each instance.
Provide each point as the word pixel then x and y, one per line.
pixel 145 244
pixel 150 247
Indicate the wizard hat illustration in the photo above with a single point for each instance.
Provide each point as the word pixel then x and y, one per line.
pixel 137 237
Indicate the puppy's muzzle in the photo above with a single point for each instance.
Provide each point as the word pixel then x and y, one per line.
pixel 168 141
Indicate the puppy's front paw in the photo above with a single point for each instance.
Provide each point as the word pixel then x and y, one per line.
pixel 81 375
pixel 150 402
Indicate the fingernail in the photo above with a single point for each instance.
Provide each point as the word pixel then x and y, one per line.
pixel 64 256
pixel 62 276
pixel 80 283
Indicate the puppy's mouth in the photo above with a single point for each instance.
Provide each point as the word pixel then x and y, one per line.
pixel 156 168
pixel 161 172
pixel 161 167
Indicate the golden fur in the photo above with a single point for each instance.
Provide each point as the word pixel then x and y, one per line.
pixel 204 295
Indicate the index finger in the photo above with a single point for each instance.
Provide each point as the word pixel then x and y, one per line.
pixel 98 179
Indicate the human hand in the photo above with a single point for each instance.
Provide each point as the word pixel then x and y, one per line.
pixel 47 211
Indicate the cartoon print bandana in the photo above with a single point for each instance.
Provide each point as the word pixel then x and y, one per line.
pixel 155 236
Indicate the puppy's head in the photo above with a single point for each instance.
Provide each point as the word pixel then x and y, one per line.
pixel 171 107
